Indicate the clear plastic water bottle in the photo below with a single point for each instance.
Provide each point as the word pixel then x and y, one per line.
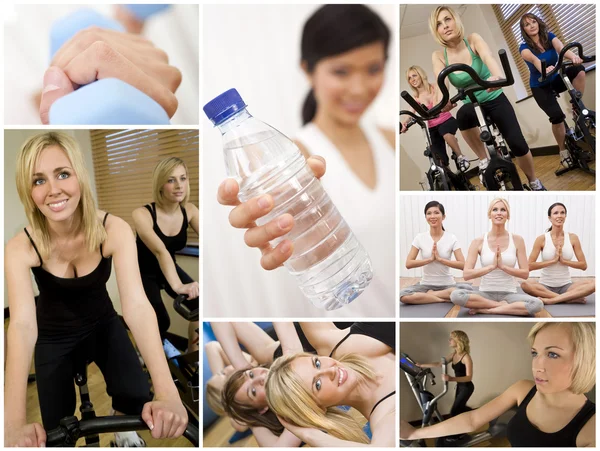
pixel 331 266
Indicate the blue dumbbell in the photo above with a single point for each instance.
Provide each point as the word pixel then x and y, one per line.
pixel 104 102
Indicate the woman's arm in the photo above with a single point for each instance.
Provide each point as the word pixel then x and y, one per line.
pixel 531 58
pixel 538 246
pixel 558 46
pixel 459 263
pixel 266 439
pixel 480 47
pixel 522 271
pixel 193 217
pixel 412 262
pixel 470 272
pixel 438 63
pixel 21 339
pixel 217 360
pixel 581 263
pixel 288 338
pixel 470 421
pixel 167 409
pixel 227 338
pixel 142 221
pixel 587 435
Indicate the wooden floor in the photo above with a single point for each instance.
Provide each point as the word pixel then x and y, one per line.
pixel 545 167
pixel 453 313
pixel 102 405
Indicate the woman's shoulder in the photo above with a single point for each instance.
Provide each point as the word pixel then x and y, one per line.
pixel 521 389
pixel 587 434
pixel 573 236
pixel 518 239
pixel 389 135
pixel 113 224
pixel 190 209
pixel 20 248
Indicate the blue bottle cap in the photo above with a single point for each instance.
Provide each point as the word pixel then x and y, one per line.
pixel 224 106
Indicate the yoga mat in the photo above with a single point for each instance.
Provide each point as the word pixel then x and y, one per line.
pixel 566 310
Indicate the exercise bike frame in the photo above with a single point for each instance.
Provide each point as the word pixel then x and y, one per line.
pixel 501 173
pixel 439 175
pixel 582 113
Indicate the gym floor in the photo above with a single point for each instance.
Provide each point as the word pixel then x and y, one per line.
pixel 102 405
pixel 545 166
pixel 453 313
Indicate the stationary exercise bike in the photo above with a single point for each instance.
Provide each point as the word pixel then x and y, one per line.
pixel 584 118
pixel 501 173
pixel 418 378
pixel 439 175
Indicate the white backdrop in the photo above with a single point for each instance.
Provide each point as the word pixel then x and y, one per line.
pixel 27 55
pixel 466 217
pixel 256 49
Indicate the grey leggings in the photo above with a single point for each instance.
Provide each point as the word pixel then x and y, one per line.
pixel 533 305
pixel 418 288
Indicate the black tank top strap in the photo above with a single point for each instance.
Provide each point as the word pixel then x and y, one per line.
pixel 339 343
pixel 529 396
pixel 104 225
pixel 34 246
pixel 184 212
pixel 152 209
pixel 380 401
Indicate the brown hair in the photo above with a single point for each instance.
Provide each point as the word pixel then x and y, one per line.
pixel 542 33
pixel 242 413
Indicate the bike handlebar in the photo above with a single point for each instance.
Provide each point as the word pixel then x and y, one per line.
pixel 72 429
pixel 414 119
pixel 561 63
pixel 462 92
pixel 187 313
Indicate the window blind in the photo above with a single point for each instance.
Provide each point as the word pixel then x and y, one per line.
pixel 124 161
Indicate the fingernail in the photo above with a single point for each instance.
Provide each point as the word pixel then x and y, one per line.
pixel 285 247
pixel 284 222
pixel 263 202
pixel 53 79
pixel 151 426
pixel 43 444
pixel 228 186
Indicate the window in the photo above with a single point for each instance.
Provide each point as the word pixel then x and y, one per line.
pixel 570 23
pixel 124 161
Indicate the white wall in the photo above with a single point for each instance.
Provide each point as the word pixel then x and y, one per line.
pixel 418 50
pixel 256 49
pixel 27 54
pixel 15 219
pixel 466 217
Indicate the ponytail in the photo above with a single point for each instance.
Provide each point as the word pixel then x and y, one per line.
pixel 309 108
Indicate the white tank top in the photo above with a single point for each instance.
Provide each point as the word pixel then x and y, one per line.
pixel 498 280
pixel 556 275
pixel 370 213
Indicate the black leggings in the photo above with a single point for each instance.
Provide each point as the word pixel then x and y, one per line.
pixel 464 390
pixel 545 98
pixel 109 346
pixel 438 143
pixel 503 115
pixel 152 286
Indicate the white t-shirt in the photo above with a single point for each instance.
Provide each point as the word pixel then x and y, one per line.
pixel 436 273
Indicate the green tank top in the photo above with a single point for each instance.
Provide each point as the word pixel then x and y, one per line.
pixel 464 80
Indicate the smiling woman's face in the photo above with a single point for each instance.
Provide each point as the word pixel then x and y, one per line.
pixel 328 380
pixel 55 188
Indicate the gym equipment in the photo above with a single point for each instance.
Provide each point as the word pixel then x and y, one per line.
pixel 417 378
pixel 584 118
pixel 104 102
pixel 439 175
pixel 501 173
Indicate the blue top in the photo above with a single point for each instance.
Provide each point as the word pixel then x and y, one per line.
pixel 551 57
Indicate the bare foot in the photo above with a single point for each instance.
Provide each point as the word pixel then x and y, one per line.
pixel 547 301
pixel 576 301
pixel 475 311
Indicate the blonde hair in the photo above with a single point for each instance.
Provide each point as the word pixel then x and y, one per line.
pixel 495 201
pixel 288 397
pixel 213 399
pixel 433 24
pixel 583 336
pixel 28 155
pixel 161 174
pixel 419 70
pixel 462 342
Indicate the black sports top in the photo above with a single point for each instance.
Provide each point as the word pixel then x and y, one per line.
pixel 72 306
pixel 522 433
pixel 460 369
pixel 379 402
pixel 147 261
pixel 383 332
